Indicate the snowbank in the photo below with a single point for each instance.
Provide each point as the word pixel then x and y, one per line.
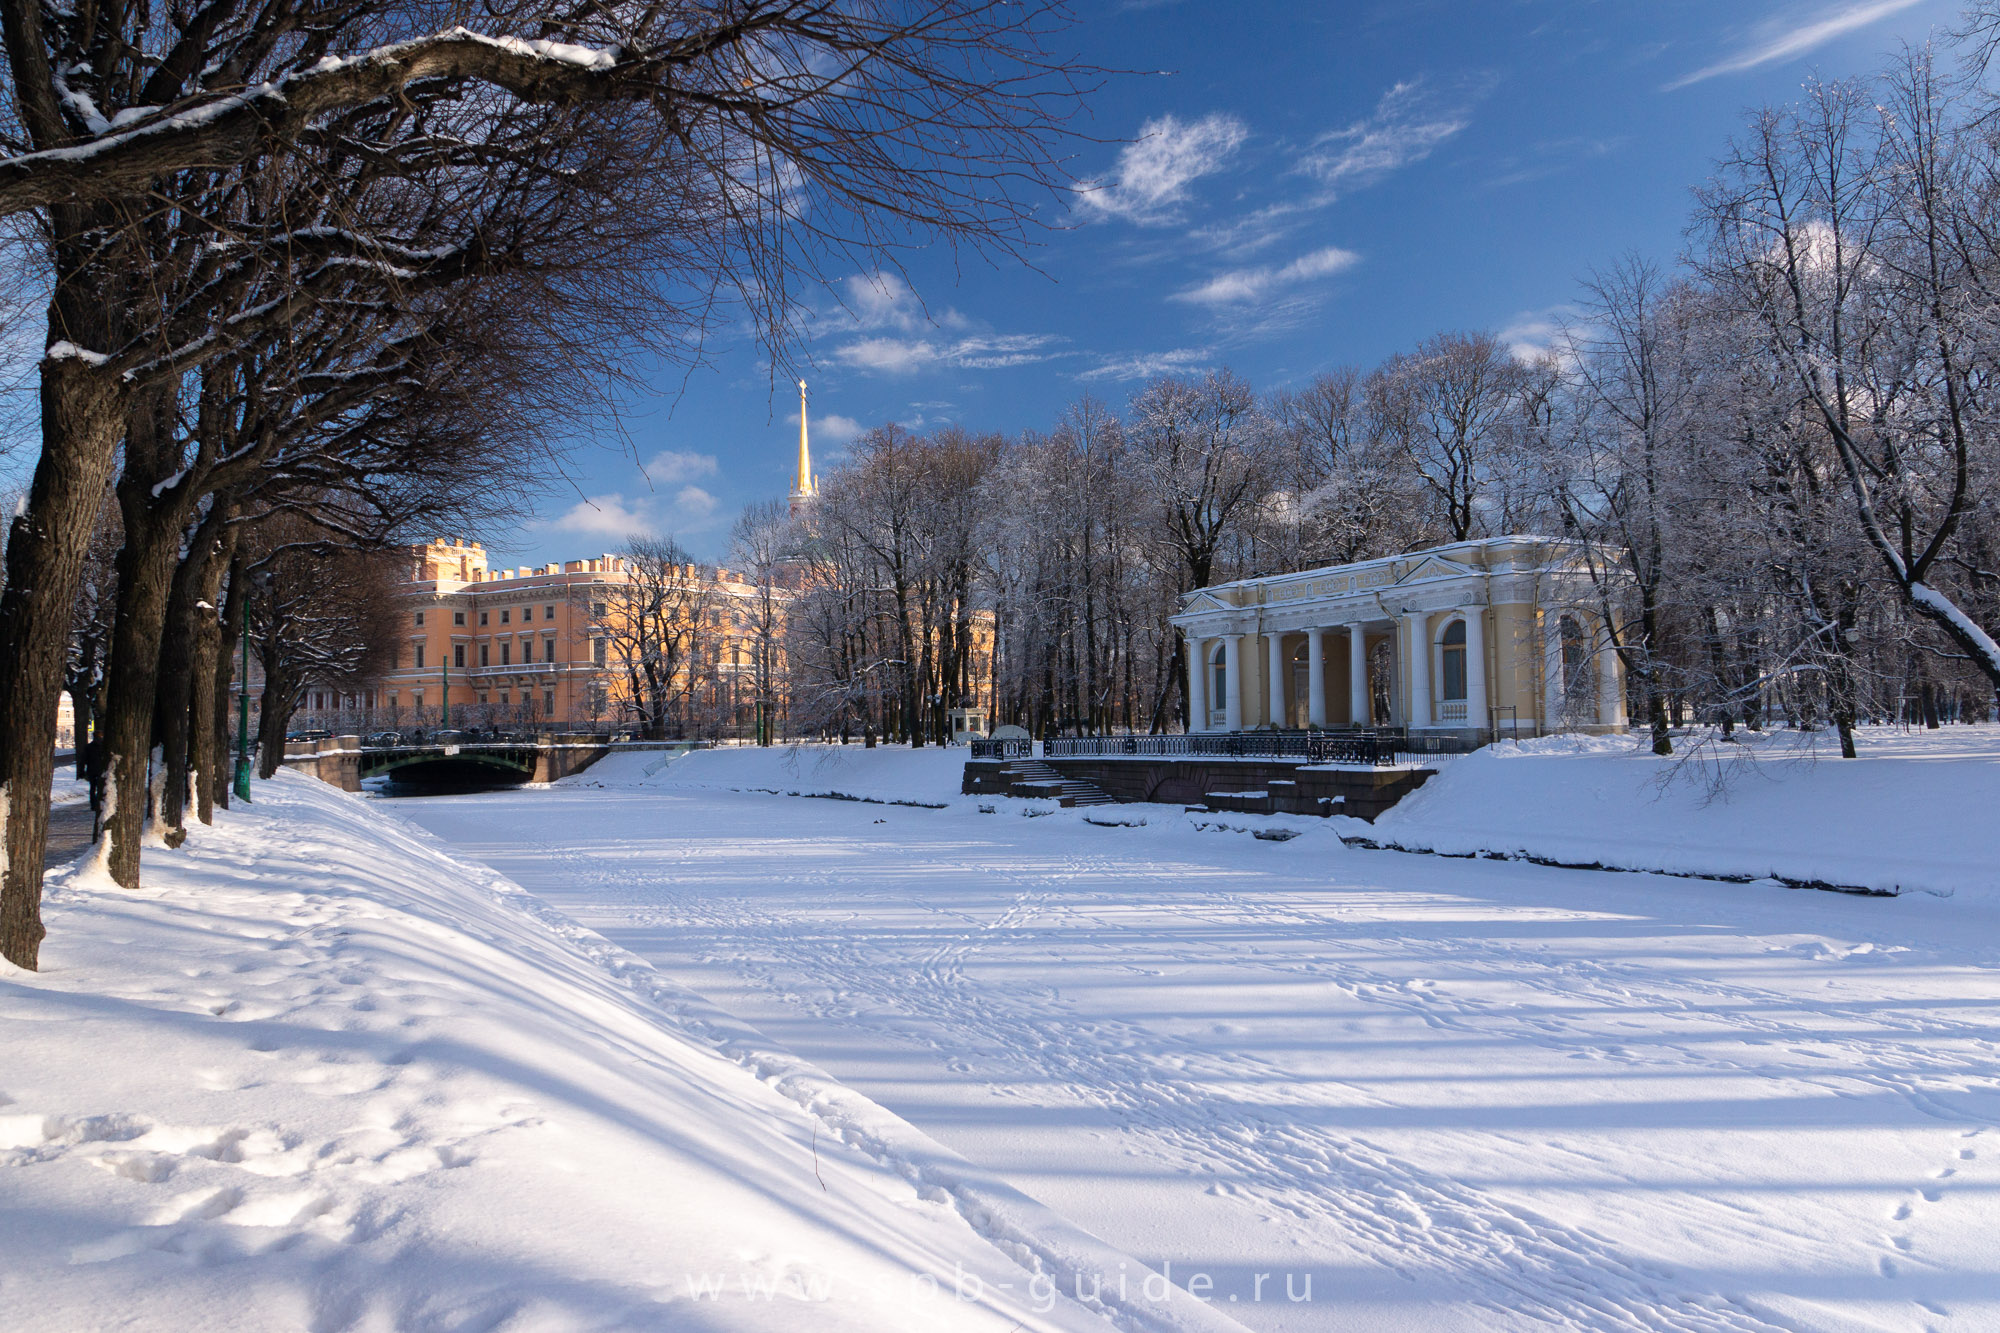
pixel 931 775
pixel 1915 812
pixel 321 1074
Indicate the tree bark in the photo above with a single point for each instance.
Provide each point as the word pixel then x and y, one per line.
pixel 187 661
pixel 145 571
pixel 215 791
pixel 82 420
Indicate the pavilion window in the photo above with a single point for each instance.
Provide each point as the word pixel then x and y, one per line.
pixel 1219 668
pixel 1575 661
pixel 1454 662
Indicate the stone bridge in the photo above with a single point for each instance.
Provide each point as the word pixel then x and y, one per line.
pixel 343 761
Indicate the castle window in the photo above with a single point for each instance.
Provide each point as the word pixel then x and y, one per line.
pixel 458 617
pixel 503 616
pixel 482 617
pixel 458 654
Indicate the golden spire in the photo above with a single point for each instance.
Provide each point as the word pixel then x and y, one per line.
pixel 804 486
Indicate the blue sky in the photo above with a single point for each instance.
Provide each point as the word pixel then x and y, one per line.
pixel 1304 185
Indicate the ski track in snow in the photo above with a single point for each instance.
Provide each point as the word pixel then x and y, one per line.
pixel 848 945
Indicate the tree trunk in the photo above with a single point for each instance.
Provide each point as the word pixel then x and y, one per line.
pixel 145 571
pixel 275 716
pixel 82 420
pixel 221 760
pixel 187 665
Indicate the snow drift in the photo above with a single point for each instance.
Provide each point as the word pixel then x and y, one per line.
pixel 320 1074
pixel 1915 812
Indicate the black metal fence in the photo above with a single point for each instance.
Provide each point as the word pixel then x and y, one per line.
pixel 1377 748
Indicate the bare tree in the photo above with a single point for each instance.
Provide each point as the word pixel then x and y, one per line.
pixel 773 133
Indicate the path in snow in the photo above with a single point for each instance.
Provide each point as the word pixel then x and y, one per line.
pixel 1456 1094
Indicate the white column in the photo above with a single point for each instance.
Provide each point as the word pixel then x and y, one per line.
pixel 1416 630
pixel 1610 686
pixel 1232 686
pixel 1358 706
pixel 1274 700
pixel 1197 682
pixel 1316 677
pixel 1475 667
pixel 1552 673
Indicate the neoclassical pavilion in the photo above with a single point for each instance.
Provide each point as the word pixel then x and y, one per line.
pixel 1481 637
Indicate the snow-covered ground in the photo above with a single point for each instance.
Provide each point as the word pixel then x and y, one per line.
pixel 927 776
pixel 1454 1094
pixel 1916 810
pixel 321 1075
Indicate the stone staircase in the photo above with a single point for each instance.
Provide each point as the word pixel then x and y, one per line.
pixel 1032 777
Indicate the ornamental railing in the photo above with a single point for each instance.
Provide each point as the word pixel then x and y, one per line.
pixel 1014 747
pixel 1376 748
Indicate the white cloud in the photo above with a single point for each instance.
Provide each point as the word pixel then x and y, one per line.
pixel 1409 121
pixel 886 301
pixel 614 517
pixel 1148 365
pixel 833 428
pixel 1240 285
pixel 1533 334
pixel 693 502
pixel 675 465
pixel 1794 36
pixel 1154 173
pixel 603 516
pixel 903 356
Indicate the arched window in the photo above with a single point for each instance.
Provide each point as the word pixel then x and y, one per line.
pixel 1218 671
pixel 1454 662
pixel 1575 660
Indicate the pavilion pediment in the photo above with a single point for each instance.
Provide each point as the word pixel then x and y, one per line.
pixel 1435 567
pixel 1205 601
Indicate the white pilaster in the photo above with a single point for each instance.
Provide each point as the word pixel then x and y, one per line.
pixel 1610 686
pixel 1316 677
pixel 1358 706
pixel 1197 684
pixel 1475 667
pixel 1552 672
pixel 1416 631
pixel 1232 684
pixel 1274 698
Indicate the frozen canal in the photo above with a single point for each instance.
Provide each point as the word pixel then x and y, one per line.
pixel 1448 1094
